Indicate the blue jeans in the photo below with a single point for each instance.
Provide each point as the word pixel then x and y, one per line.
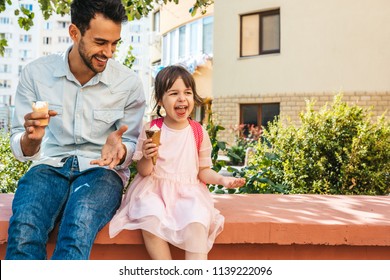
pixel 82 203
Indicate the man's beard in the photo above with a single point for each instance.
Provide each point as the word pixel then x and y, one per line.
pixel 87 60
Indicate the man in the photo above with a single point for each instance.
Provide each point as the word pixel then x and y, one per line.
pixel 80 160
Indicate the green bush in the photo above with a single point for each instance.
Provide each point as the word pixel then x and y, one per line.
pixel 337 150
pixel 217 146
pixel 236 153
pixel 10 168
pixel 245 136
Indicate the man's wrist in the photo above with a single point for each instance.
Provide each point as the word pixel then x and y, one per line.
pixel 33 146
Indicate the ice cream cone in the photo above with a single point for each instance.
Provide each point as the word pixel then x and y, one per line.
pixel 41 106
pixel 155 136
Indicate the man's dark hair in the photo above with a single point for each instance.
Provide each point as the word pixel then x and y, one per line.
pixel 82 11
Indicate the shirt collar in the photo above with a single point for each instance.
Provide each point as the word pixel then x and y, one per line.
pixel 63 70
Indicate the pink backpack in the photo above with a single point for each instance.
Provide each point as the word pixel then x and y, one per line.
pixel 196 129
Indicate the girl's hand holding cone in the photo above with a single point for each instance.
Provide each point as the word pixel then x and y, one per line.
pixel 150 146
pixel 155 136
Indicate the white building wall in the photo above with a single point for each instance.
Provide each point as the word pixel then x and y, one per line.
pixel 56 28
pixel 21 51
pixel 137 35
pixel 326 46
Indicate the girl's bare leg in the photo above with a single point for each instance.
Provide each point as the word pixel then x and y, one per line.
pixel 197 239
pixel 195 256
pixel 157 248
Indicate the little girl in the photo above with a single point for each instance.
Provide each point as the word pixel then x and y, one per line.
pixel 169 201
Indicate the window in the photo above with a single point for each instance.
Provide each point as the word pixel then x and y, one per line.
pixel 135 38
pixel 260 33
pixel 27 6
pixel 25 38
pixel 47 40
pixel 24 54
pixel 182 42
pixel 165 50
pixel 47 25
pixel 5 20
pixel 156 21
pixel 7 53
pixel 5 84
pixel 190 40
pixel 7 36
pixel 64 40
pixel 5 68
pixel 173 47
pixel 208 35
pixel 194 39
pixel 63 24
pixel 258 114
pixel 135 28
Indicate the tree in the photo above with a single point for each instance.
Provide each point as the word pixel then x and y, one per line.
pixel 135 10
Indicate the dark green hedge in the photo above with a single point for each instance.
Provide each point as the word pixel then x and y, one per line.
pixel 339 149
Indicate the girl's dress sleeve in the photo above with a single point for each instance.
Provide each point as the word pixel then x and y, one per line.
pixel 205 151
pixel 138 149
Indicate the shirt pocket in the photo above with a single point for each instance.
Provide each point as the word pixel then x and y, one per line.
pixel 104 120
pixel 56 124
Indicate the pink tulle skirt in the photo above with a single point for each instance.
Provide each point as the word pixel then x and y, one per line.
pixel 178 209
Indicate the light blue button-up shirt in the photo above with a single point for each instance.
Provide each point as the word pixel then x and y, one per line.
pixel 87 114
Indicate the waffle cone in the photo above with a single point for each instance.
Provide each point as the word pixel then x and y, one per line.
pixel 155 136
pixel 44 122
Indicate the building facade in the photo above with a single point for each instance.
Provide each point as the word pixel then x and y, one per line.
pixel 51 36
pixel 135 41
pixel 271 56
pixel 43 38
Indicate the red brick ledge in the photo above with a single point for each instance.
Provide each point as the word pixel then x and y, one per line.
pixel 286 220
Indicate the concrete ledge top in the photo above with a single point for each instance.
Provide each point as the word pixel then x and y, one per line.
pixel 279 219
pixel 306 219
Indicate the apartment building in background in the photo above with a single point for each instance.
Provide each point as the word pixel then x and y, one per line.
pixel 271 56
pixel 51 36
pixel 135 38
pixel 44 37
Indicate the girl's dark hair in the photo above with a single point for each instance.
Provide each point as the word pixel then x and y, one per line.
pixel 167 77
pixel 82 11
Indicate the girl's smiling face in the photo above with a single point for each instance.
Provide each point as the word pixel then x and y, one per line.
pixel 178 102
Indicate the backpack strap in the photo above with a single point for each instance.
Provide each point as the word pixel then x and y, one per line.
pixel 196 129
pixel 158 122
pixel 198 132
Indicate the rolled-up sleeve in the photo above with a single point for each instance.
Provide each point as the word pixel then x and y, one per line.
pixel 23 102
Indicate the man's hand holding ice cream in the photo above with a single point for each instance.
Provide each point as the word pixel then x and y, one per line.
pixel 32 138
pixel 36 121
pixel 42 107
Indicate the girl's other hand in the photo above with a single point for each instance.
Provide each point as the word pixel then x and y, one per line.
pixel 232 182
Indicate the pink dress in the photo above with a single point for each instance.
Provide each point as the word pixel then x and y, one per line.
pixel 171 202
